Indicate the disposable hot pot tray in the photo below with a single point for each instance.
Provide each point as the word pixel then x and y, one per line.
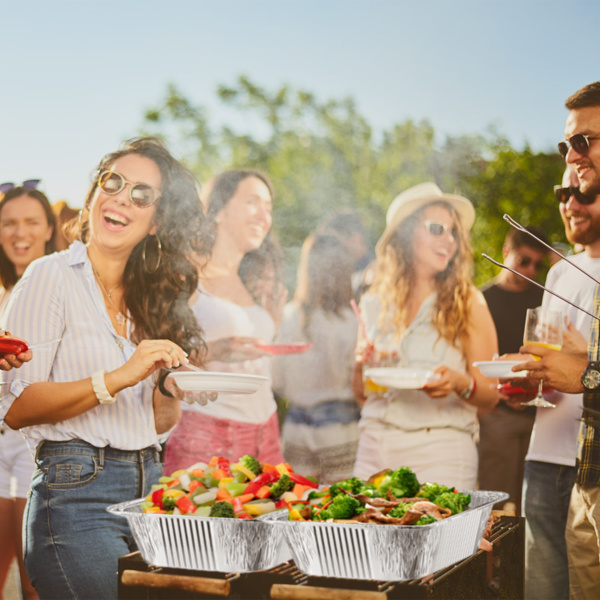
pixel 205 543
pixel 388 552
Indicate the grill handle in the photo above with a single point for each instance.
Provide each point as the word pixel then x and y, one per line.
pixel 202 585
pixel 281 591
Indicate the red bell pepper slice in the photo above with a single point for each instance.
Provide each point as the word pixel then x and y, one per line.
pixel 157 497
pixel 243 515
pixel 303 481
pixel 223 464
pixel 185 505
pixel 262 479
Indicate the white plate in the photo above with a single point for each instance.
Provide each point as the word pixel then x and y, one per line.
pixel 500 369
pixel 402 379
pixel 211 381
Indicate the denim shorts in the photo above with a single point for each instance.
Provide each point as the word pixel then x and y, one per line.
pixel 71 543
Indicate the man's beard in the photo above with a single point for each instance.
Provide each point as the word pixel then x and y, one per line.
pixel 585 238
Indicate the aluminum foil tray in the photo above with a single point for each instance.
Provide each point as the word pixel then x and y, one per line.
pixel 388 552
pixel 205 543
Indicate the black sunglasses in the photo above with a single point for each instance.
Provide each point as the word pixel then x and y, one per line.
pixel 525 261
pixel 562 194
pixel 29 184
pixel 580 142
pixel 141 194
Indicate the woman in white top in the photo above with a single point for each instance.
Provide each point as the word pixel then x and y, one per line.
pixel 320 432
pixel 27 232
pixel 107 313
pixel 239 204
pixel 424 310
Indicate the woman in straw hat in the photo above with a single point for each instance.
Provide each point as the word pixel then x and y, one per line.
pixel 424 312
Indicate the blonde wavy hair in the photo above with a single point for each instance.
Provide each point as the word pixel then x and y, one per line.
pixel 395 275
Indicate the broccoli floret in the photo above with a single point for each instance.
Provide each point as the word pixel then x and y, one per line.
pixel 222 509
pixel 283 484
pixel 354 485
pixel 431 491
pixel 403 483
pixel 168 503
pixel 251 463
pixel 342 507
pixel 399 511
pixel 317 494
pixel 425 520
pixel 456 502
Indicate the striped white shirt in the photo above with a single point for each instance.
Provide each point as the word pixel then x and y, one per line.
pixel 58 299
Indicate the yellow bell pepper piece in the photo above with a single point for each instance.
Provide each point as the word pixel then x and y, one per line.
pixel 173 493
pixel 242 469
pixel 295 515
pixel 282 469
pixel 378 481
pixel 223 481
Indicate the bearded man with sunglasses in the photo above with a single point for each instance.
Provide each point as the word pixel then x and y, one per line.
pixel 566 370
pixel 504 432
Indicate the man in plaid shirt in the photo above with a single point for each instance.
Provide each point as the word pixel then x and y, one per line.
pixel 573 370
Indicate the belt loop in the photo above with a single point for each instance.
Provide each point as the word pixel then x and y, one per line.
pixel 101 458
pixel 38 450
pixel 156 456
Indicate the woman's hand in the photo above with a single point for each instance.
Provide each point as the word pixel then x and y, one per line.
pixel 201 398
pixel 449 381
pixel 149 356
pixel 10 361
pixel 233 349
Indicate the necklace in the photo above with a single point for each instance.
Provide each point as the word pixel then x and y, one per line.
pixel 120 317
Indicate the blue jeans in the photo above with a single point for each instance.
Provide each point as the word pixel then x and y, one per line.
pixel 72 544
pixel 546 495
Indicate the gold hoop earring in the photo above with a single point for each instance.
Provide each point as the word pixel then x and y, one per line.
pixel 158 252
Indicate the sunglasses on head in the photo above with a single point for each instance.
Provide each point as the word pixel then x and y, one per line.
pixel 438 229
pixel 580 142
pixel 141 194
pixel 29 184
pixel 562 194
pixel 525 261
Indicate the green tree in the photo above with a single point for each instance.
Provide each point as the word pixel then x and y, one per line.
pixel 324 156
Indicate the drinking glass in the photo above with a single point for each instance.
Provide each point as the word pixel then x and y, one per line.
pixel 543 327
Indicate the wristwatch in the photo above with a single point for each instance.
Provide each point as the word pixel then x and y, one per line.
pixel 591 376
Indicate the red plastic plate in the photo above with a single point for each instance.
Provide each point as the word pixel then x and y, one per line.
pixel 12 345
pixel 284 348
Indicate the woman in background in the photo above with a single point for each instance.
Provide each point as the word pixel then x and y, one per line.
pixel 320 433
pixel 235 315
pixel 423 308
pixel 27 232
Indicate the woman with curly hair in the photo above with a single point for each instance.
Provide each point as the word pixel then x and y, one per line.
pixel 424 312
pixel 239 300
pixel 107 314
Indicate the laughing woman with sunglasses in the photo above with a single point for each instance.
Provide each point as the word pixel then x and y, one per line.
pixel 424 310
pixel 112 310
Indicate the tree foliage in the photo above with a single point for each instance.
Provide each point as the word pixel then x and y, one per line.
pixel 324 156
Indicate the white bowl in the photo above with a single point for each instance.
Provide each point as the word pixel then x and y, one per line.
pixel 212 381
pixel 500 369
pixel 401 379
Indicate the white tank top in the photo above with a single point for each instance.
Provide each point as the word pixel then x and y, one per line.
pixel 220 319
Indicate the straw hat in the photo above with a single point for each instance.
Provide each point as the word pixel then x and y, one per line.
pixel 414 198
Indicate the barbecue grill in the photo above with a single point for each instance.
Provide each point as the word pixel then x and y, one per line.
pixel 495 574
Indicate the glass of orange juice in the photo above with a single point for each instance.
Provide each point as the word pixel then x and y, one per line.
pixel 543 327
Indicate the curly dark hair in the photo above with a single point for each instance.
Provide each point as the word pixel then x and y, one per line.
pixel 8 275
pixel 158 299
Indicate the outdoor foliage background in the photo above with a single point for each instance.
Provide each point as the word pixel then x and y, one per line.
pixel 323 155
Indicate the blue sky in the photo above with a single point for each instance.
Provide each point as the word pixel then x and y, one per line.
pixel 78 75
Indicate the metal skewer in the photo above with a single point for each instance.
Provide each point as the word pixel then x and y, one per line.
pixel 520 227
pixel 541 286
